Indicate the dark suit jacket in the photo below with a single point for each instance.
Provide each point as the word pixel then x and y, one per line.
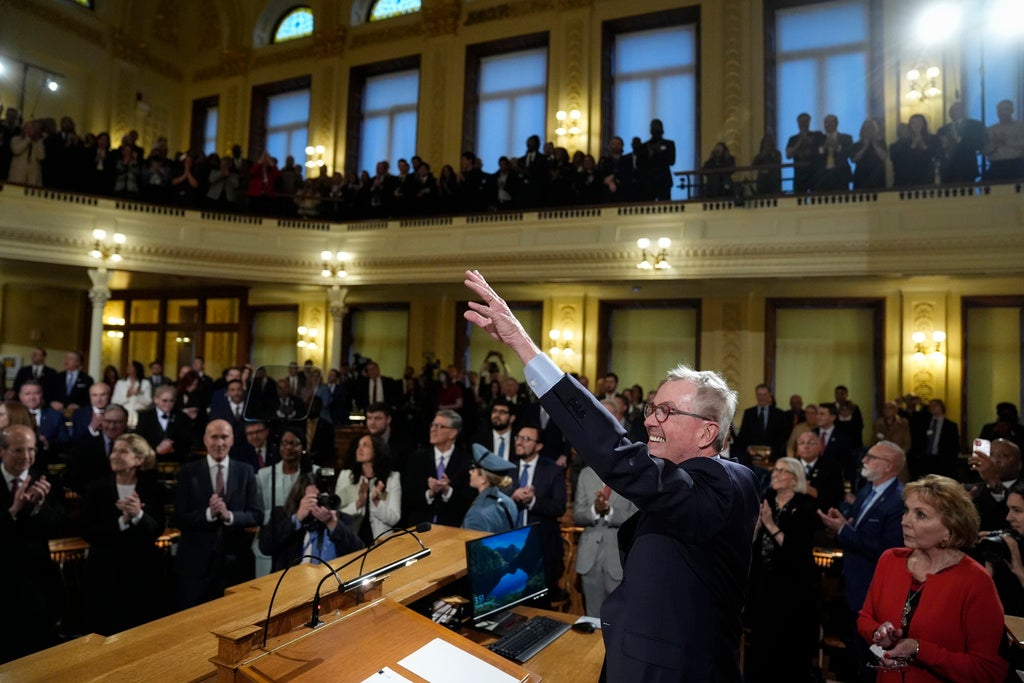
pixel 179 430
pixel 827 478
pixel 551 436
pixel 693 533
pixel 753 431
pixel 213 555
pixel 123 565
pixel 865 542
pixel 87 462
pixel 839 450
pixel 79 393
pixel 283 542
pixel 961 164
pixel 33 580
pixel 45 379
pixel 52 428
pixel 80 420
pixel 549 505
pixel 420 467
pixel 921 462
pixel 392 392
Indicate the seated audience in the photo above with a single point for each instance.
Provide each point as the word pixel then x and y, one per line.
pixel 930 607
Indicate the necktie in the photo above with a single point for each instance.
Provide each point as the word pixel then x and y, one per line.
pixel 867 505
pixel 37 414
pixel 36 370
pixel 501 447
pixel 373 391
pixel 933 449
pixel 164 416
pixel 809 470
pixel 824 440
pixel 220 481
pixel 764 417
pixel 440 467
pixel 524 481
pixel 259 458
pixel 238 411
pixel 70 382
pixel 15 483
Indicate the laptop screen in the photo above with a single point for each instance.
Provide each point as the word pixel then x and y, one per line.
pixel 504 570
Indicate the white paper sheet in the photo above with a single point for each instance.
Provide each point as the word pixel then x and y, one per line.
pixel 387 675
pixel 441 662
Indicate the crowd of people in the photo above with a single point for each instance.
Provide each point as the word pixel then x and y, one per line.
pixel 45 153
pixel 477 450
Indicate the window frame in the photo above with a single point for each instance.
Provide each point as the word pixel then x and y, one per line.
pixel 644 22
pixel 475 53
pixel 259 103
pixel 197 130
pixel 358 75
pixel 283 17
pixel 875 57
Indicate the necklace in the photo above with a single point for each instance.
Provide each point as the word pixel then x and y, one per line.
pixel 909 606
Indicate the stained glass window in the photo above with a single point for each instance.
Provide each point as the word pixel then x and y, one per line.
pixel 385 9
pixel 298 23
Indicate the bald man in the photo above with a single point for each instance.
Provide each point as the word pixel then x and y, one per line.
pixel 216 502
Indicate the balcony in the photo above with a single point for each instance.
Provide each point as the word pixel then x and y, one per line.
pixel 968 230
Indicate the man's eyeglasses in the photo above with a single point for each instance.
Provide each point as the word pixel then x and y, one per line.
pixel 663 411
pixel 869 456
pixel 438 425
pixel 294 444
pixel 523 437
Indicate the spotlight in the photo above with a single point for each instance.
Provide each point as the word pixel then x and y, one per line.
pixel 52 85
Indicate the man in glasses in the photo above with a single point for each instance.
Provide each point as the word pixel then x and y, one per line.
pixel 676 614
pixel 435 483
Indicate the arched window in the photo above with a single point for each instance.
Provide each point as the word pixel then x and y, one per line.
pixel 296 23
pixel 386 9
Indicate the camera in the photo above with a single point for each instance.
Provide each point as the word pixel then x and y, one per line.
pixel 327 498
pixel 993 548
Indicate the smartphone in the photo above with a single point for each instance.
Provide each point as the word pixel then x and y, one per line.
pixel 983 446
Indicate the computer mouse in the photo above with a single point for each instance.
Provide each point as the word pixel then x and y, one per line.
pixel 584 627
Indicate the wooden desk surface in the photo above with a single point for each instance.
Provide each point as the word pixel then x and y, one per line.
pixel 1014 630
pixel 572 658
pixel 352 649
pixel 182 643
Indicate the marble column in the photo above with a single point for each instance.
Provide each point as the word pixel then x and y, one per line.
pixel 336 306
pixel 99 295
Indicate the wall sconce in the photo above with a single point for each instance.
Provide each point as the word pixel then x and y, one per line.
pixel 660 259
pixel 307 337
pixel 182 340
pixel 924 345
pixel 115 334
pixel 570 119
pixel 331 268
pixel 117 322
pixel 561 342
pixel 52 85
pixel 104 250
pixel 316 156
pixel 923 88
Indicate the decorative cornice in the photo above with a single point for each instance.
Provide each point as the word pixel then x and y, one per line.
pixel 59 18
pixel 123 46
pixel 328 44
pixel 232 63
pixel 278 55
pixel 440 20
pixel 371 34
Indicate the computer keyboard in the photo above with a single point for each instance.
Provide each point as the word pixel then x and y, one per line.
pixel 528 638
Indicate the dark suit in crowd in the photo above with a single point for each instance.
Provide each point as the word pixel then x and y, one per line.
pixel 214 555
pixel 421 466
pixel 754 432
pixel 79 393
pixel 179 431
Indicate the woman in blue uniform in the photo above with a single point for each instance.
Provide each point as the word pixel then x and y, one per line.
pixel 492 510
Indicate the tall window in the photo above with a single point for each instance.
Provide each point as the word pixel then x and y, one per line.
pixel 387 129
pixel 822 59
pixel 210 130
pixel 653 75
pixel 288 125
pixel 297 23
pixel 993 58
pixel 203 132
pixel 385 9
pixel 511 101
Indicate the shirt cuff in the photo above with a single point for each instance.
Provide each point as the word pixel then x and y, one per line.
pixel 448 496
pixel 542 374
pixel 209 516
pixel 229 519
pixel 122 525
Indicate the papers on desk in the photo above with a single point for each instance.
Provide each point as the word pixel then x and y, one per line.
pixel 387 675
pixel 441 662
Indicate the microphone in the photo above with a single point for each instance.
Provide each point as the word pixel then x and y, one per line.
pixel 295 562
pixel 396 532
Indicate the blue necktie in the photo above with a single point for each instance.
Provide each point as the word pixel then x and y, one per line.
pixel 524 481
pixel 501 447
pixel 71 382
pixel 867 505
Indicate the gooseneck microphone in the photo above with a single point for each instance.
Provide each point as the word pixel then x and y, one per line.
pixel 273 595
pixel 396 532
